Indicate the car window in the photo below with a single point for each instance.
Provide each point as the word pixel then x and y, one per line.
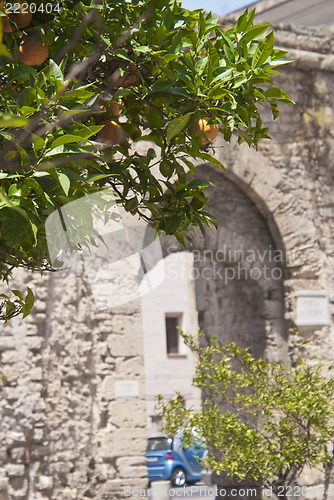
pixel 158 444
pixel 196 446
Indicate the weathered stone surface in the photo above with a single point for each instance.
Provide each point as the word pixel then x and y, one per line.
pixel 7 343
pixel 127 413
pixel 132 467
pixel 120 489
pixel 17 453
pixel 44 483
pixel 3 483
pixel 14 470
pixel 9 357
pixel 56 402
pixel 121 443
pixel 119 345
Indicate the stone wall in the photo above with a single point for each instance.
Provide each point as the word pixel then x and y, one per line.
pixel 239 272
pixel 66 432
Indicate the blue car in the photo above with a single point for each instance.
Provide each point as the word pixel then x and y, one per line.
pixel 168 460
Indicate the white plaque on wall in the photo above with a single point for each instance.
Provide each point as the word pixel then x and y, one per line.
pixel 126 389
pixel 312 308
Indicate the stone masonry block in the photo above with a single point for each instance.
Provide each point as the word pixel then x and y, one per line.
pixel 44 483
pixel 128 413
pixel 122 443
pixel 123 345
pixel 122 488
pixel 34 343
pixel 131 467
pixel 14 470
pixel 3 483
pixel 7 343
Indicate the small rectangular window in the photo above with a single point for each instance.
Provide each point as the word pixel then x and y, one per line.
pixel 173 334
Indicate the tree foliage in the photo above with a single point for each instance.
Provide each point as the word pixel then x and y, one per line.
pixel 167 67
pixel 261 420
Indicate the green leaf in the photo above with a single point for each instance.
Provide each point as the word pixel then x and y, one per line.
pixel 190 165
pixel 277 94
pixel 55 71
pixel 172 223
pixel 65 139
pixel 131 204
pixel 27 110
pixel 17 293
pixel 177 125
pixel 12 121
pixel 211 159
pixel 39 142
pixel 144 49
pixel 166 168
pixel 4 51
pixel 224 76
pixel 217 92
pixel 239 81
pixel 14 226
pixel 274 109
pixel 28 304
pixel 210 218
pixel 159 86
pixel 64 182
pixel 199 183
pixel 97 177
pixel 253 32
pixel 263 51
pixel 122 54
pixel 241 22
pixel 180 91
pixel 230 54
pixel 55 151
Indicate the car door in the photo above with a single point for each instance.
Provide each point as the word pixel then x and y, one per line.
pixel 193 456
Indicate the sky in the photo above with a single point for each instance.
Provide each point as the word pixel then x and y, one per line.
pixel 220 7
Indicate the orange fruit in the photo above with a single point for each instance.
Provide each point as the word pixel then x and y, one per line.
pixel 116 107
pixel 130 77
pixel 111 132
pixel 210 131
pixel 7 26
pixel 21 19
pixel 113 106
pixel 33 51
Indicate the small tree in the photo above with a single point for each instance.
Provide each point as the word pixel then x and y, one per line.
pixel 261 420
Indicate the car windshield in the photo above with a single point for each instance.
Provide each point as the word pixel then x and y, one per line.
pixel 159 444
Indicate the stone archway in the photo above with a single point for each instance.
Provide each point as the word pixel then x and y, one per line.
pixel 238 276
pixel 238 272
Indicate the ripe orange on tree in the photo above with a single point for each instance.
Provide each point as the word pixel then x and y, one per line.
pixel 116 107
pixel 113 106
pixel 130 77
pixel 209 130
pixel 111 132
pixel 22 19
pixel 33 51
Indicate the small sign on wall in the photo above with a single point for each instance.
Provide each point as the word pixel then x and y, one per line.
pixel 312 308
pixel 126 389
